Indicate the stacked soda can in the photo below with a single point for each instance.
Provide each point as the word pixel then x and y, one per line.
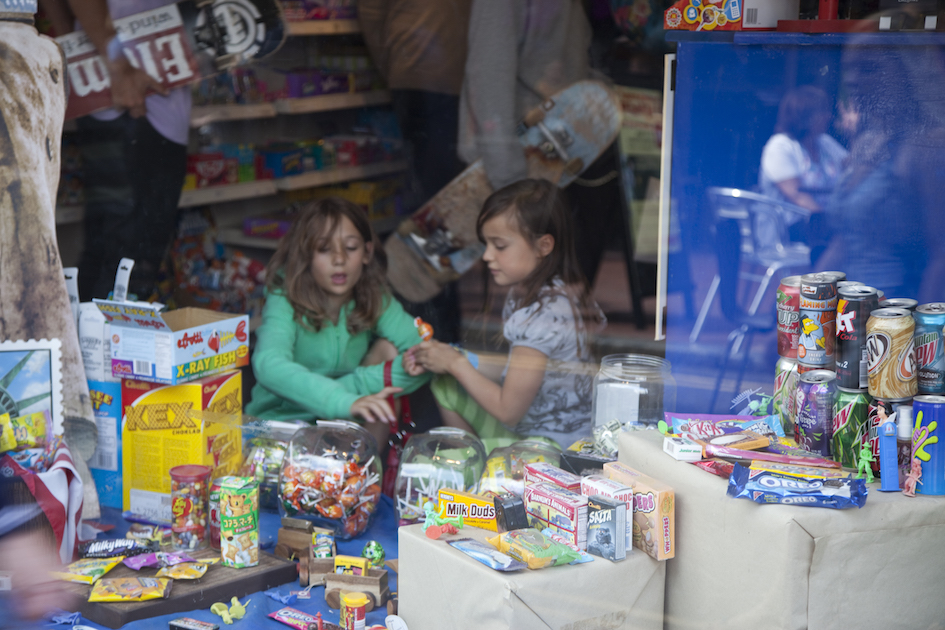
pixel 929 351
pixel 785 373
pixel 816 396
pixel 891 366
pixel 817 312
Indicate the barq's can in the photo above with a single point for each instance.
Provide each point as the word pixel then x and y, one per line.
pixel 850 426
pixel 816 394
pixel 929 351
pixel 907 303
pixel 878 413
pixel 854 305
pixel 818 313
pixel 788 297
pixel 785 388
pixel 929 414
pixel 891 354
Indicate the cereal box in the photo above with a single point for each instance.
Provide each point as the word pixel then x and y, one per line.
pixel 606 525
pixel 654 511
pixel 564 511
pixel 543 472
pixel 158 433
pixel 239 521
pixel 476 510
pixel 604 486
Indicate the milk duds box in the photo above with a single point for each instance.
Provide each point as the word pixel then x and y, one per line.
pixel 606 528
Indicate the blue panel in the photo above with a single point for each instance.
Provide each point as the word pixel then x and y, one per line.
pixel 880 215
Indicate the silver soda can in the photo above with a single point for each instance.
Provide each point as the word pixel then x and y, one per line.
pixel 816 395
pixel 891 354
pixel 907 303
pixel 818 312
pixel 785 389
pixel 929 350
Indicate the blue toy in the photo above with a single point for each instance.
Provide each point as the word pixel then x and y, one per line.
pixel 888 461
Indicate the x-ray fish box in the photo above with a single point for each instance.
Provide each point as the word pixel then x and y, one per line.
pixel 564 511
pixel 176 346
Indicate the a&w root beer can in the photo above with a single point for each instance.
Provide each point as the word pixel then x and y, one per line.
pixel 891 354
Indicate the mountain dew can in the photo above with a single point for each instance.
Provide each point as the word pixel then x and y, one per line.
pixel 850 426
pixel 785 388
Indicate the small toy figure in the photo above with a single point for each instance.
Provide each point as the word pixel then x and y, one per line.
pixel 434 532
pixel 914 476
pixel 864 461
pixel 220 609
pixel 237 610
pixel 432 518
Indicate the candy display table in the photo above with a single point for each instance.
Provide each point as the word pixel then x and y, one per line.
pixel 441 587
pixel 743 565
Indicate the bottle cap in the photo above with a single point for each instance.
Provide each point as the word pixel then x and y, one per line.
pixel 904 420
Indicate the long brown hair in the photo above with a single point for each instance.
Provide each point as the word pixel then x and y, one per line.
pixel 539 208
pixel 290 270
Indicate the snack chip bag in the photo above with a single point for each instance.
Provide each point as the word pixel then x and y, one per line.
pixel 533 548
pixel 130 589
pixel 184 571
pixel 30 430
pixel 88 570
pixel 7 441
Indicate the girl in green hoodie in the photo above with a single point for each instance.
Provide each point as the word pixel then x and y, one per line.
pixel 326 301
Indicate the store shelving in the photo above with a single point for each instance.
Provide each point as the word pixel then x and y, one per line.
pixel 234 236
pixel 222 194
pixel 206 114
pixel 339 175
pixel 331 102
pixel 323 27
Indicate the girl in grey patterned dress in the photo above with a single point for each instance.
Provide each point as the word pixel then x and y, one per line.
pixel 545 387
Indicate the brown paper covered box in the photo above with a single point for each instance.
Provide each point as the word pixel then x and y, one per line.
pixel 744 565
pixel 441 587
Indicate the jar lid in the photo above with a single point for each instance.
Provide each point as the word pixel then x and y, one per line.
pixel 354 599
pixel 190 472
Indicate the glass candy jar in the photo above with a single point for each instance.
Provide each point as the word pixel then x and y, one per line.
pixel 505 468
pixel 331 476
pixel 444 457
pixel 634 389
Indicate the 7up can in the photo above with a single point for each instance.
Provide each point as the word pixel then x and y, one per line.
pixel 850 426
pixel 789 329
pixel 929 354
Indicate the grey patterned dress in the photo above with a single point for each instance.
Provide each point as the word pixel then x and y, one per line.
pixel 553 325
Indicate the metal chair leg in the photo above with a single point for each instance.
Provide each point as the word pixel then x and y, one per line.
pixel 704 311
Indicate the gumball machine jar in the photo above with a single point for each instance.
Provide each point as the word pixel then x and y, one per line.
pixel 505 468
pixel 331 476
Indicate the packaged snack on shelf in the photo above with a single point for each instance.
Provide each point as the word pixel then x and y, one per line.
pixel 607 527
pixel 89 570
pixel 126 547
pixel 294 618
pixel 159 559
pixel 156 534
pixel 352 565
pixel 331 476
pixel 190 484
pixel 741 440
pixel 323 543
pixel 558 538
pixel 764 486
pixel 533 548
pixel 486 555
pixel 540 472
pixel 265 443
pixel 186 623
pixel 711 424
pixel 239 522
pixel 654 511
pixel 183 571
pixel 718 467
pixel 504 471
pixel 682 448
pixel 561 510
pixel 582 457
pixel 604 486
pixel 30 431
pixel 443 457
pixel 130 589
pixel 476 510
pixel 7 441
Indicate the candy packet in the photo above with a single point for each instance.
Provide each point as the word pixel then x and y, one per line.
pixel 88 570
pixel 705 425
pixel 293 618
pixel 31 459
pixel 158 559
pixel 7 441
pixel 184 571
pixel 130 589
pixel 141 531
pixel 796 487
pixel 533 548
pixel 487 555
pixel 30 430
pixel 555 536
pixel 115 547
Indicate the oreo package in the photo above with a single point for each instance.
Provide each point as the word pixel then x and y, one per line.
pixel 116 547
pixel 771 486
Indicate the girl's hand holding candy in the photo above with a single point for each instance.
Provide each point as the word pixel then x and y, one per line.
pixel 409 360
pixel 438 357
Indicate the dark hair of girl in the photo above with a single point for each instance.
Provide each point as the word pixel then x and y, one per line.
pixel 290 270
pixel 798 110
pixel 538 208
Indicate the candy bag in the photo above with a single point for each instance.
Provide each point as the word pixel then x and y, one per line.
pixel 115 546
pixel 486 555
pixel 30 430
pixel 7 441
pixel 796 487
pixel 89 570
pixel 130 589
pixel 533 548
pixel 158 559
pixel 184 571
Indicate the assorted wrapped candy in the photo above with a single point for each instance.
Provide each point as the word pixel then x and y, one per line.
pixel 504 471
pixel 331 476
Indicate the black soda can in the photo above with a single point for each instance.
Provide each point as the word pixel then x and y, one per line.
pixel 853 310
pixel 816 396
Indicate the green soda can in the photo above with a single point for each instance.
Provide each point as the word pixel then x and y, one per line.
pixel 785 390
pixel 850 425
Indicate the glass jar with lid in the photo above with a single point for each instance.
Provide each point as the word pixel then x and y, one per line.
pixel 505 468
pixel 634 389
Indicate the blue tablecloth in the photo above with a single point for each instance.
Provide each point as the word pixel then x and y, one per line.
pixel 383 530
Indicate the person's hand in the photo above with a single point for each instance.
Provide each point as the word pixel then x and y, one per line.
pixel 436 356
pixel 374 407
pixel 31 556
pixel 409 360
pixel 130 86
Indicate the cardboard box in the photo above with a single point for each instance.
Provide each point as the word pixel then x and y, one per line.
pixel 543 472
pixel 729 15
pixel 603 486
pixel 105 464
pixel 158 434
pixel 564 511
pixel 606 524
pixel 176 346
pixel 477 510
pixel 654 511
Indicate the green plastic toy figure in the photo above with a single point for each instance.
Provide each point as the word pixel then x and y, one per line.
pixel 863 463
pixel 432 518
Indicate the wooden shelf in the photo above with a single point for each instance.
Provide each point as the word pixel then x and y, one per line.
pixel 206 114
pixel 323 27
pixel 234 236
pixel 233 192
pixel 330 102
pixel 69 214
pixel 339 175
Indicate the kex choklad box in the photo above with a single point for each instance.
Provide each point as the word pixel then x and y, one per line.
pixel 159 432
pixel 176 346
